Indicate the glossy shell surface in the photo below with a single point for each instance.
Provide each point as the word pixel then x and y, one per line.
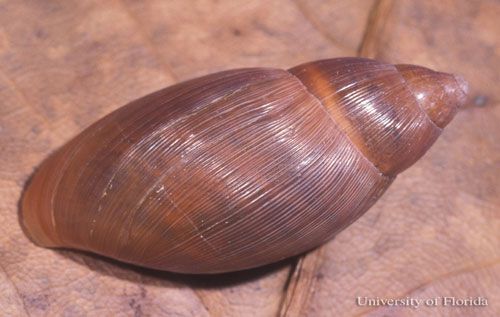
pixel 240 168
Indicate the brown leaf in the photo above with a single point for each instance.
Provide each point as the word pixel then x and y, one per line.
pixel 64 64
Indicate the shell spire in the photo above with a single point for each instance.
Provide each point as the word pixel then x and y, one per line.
pixel 439 94
pixel 393 113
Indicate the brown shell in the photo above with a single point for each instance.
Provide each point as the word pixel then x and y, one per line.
pixel 240 168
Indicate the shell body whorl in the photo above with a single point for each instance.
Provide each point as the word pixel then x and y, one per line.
pixel 240 168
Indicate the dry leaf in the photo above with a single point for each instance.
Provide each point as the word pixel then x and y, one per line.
pixel 436 232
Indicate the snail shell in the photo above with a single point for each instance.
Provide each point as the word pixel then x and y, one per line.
pixel 240 168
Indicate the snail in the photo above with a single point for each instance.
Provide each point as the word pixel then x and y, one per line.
pixel 239 168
